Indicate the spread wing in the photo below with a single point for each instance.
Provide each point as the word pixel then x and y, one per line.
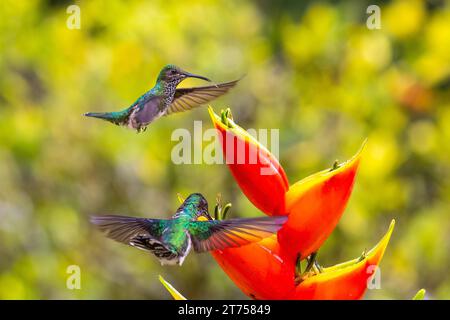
pixel 128 229
pixel 220 234
pixel 189 98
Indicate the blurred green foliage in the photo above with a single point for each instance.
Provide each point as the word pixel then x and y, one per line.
pixel 313 69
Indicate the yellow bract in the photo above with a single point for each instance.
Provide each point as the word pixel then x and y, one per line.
pixel 175 294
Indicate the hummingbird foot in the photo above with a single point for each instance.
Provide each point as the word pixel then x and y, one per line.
pixel 141 129
pixel 312 268
pixel 317 267
pixel 298 270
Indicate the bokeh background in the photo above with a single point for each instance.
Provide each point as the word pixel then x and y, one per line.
pixel 313 70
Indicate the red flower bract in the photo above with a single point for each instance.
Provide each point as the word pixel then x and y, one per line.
pixel 257 172
pixel 266 270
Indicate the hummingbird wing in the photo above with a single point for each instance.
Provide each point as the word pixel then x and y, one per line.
pixel 220 234
pixel 188 98
pixel 129 229
pixel 144 234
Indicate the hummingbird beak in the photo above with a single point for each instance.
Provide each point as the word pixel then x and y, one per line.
pixel 191 75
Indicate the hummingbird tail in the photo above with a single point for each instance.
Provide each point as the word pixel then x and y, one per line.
pixel 101 115
pixel 108 116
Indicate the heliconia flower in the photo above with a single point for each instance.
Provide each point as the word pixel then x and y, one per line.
pixel 315 205
pixel 175 294
pixel 256 170
pixel 261 273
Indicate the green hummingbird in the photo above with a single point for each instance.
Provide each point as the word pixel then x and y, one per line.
pixel 164 99
pixel 171 240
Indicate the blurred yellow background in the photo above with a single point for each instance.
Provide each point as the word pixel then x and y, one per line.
pixel 313 70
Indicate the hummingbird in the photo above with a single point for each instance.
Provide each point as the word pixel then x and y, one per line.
pixel 164 99
pixel 171 240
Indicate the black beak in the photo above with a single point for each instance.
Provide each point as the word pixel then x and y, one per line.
pixel 191 75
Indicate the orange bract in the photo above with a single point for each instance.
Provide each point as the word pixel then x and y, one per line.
pixel 315 205
pixel 348 280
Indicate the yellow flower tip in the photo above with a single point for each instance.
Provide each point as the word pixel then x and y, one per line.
pixel 364 143
pixel 306 183
pixel 373 256
pixel 211 113
pixel 359 153
pixel 420 295
pixel 376 254
pixel 353 161
pixel 363 147
pixel 175 294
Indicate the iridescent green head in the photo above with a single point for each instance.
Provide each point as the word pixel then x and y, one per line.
pixel 173 74
pixel 195 206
